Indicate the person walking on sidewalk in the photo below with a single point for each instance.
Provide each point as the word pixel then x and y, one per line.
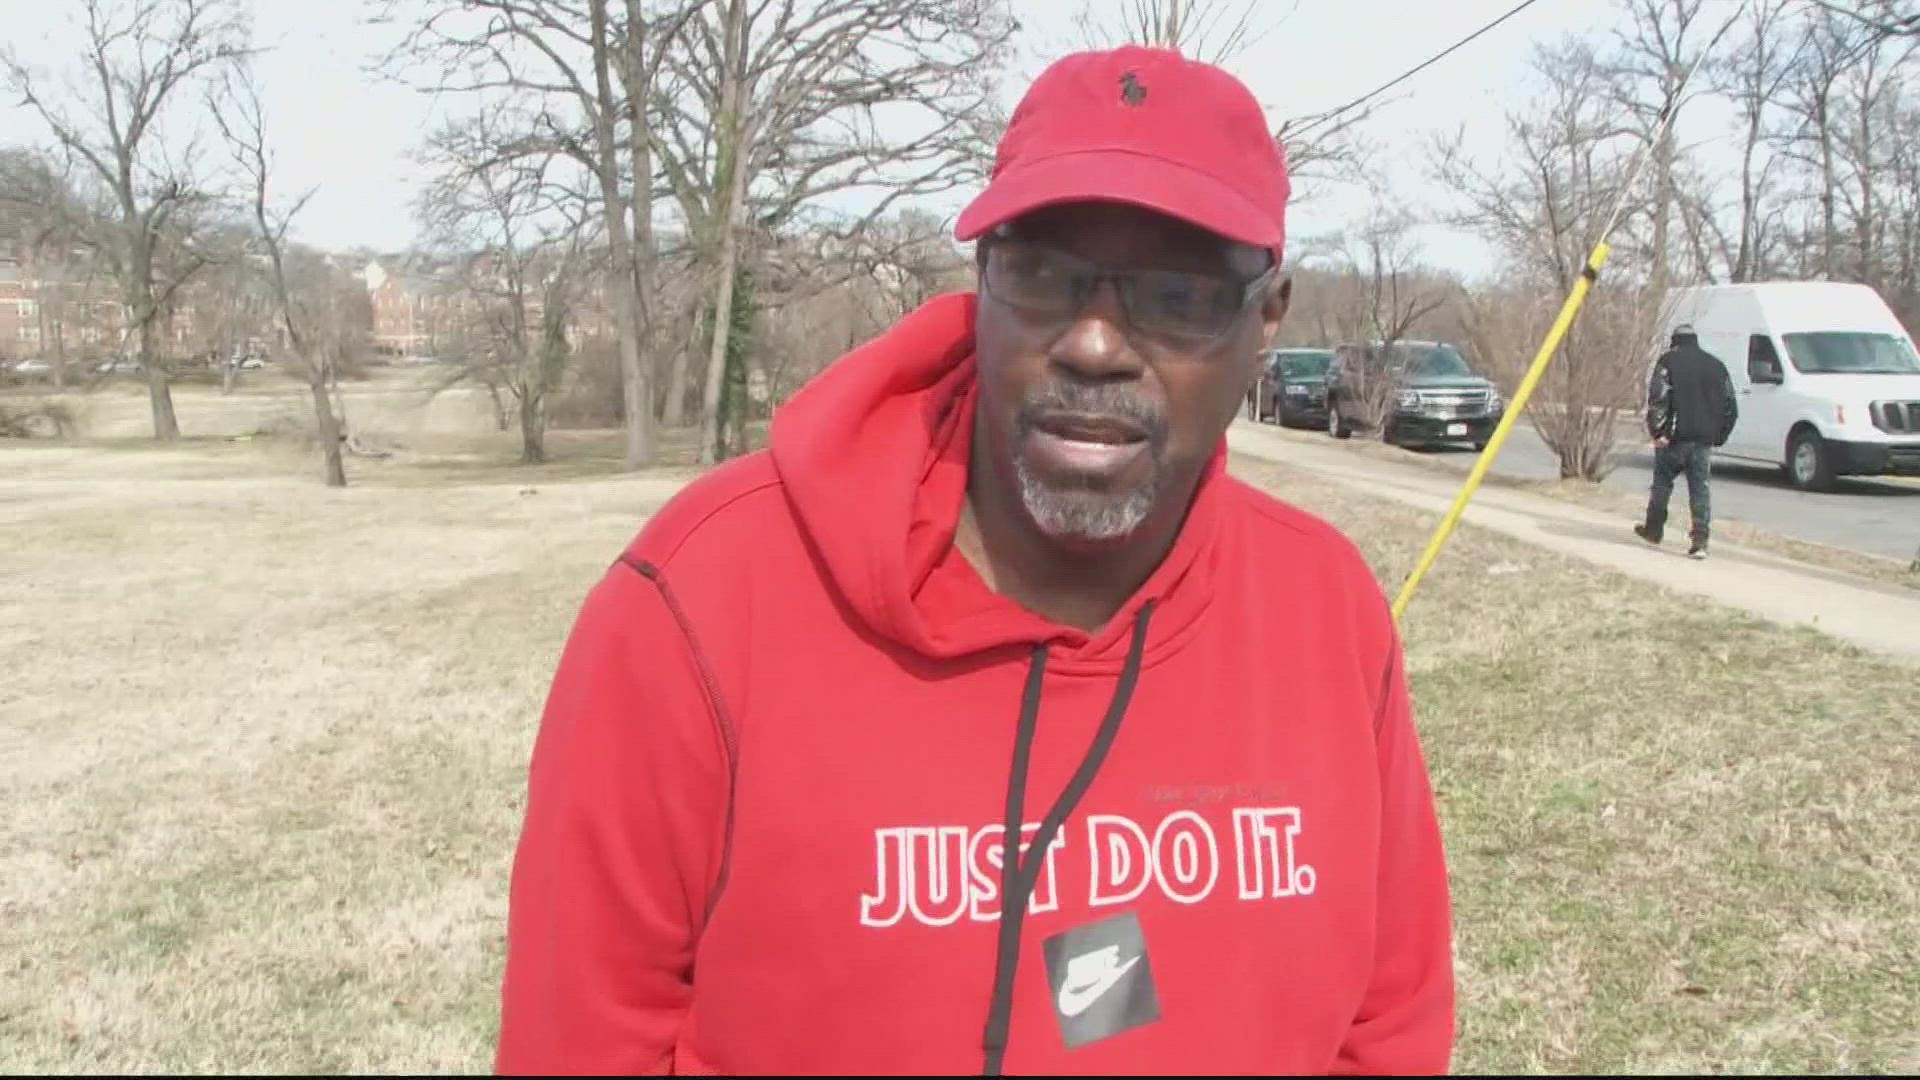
pixel 1690 411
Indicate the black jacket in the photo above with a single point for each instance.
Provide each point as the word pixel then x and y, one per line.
pixel 1690 396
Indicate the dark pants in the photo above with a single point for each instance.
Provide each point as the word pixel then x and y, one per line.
pixel 1695 459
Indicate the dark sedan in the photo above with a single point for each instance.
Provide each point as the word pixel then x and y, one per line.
pixel 1293 387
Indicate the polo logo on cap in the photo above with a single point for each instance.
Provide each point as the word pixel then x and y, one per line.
pixel 1131 91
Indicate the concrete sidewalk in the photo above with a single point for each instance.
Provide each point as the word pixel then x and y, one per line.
pixel 1884 618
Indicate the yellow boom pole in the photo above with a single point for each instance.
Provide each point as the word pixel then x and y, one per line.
pixel 1514 409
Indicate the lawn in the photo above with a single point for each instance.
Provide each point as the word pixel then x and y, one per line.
pixel 264 746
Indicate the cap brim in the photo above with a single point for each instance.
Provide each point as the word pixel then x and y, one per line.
pixel 1120 176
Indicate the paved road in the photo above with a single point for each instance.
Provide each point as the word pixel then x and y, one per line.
pixel 1871 516
pixel 1871 614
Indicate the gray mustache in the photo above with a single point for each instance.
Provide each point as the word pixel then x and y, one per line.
pixel 1094 399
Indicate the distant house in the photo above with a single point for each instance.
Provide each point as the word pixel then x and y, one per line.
pixel 419 304
pixel 53 308
pixel 19 314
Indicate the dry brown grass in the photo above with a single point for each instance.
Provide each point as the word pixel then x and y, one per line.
pixel 1681 839
pixel 264 747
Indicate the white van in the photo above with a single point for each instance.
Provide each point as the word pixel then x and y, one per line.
pixel 1829 381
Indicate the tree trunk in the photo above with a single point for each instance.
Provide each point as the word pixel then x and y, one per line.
pixel 339 399
pixel 1865 171
pixel 1829 230
pixel 1907 206
pixel 50 334
pixel 331 440
pixel 673 411
pixel 59 355
pixel 166 425
pixel 1743 268
pixel 734 403
pixel 710 448
pixel 636 380
pixel 499 407
pixel 635 383
pixel 533 429
pixel 733 152
pixel 639 87
pixel 1663 209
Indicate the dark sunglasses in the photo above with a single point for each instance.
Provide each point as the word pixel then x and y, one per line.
pixel 1042 280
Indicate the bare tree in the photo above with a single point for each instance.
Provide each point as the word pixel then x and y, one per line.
pixel 645 46
pixel 242 122
pixel 1212 31
pixel 1565 160
pixel 1387 294
pixel 1828 46
pixel 730 175
pixel 1883 18
pixel 1753 77
pixel 140 55
pixel 1866 143
pixel 1542 206
pixel 1845 132
pixel 42 218
pixel 1901 181
pixel 233 301
pixel 580 70
pixel 1596 380
pixel 775 106
pixel 1655 49
pixel 818 295
pixel 524 227
pixel 1328 148
pixel 56 271
pixel 908 260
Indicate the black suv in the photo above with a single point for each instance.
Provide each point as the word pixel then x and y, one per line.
pixel 1423 392
pixel 1293 386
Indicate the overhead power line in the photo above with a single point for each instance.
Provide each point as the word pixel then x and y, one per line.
pixel 1411 72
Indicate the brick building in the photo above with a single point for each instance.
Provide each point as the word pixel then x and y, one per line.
pixel 49 309
pixel 419 305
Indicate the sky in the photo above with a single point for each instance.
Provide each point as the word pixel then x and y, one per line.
pixel 352 136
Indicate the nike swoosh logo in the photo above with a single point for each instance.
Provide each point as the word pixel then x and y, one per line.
pixel 1075 1000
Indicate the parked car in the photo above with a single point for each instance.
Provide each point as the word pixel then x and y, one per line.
pixel 1293 387
pixel 1828 378
pixel 1424 392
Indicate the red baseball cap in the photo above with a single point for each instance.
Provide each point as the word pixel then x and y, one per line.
pixel 1144 126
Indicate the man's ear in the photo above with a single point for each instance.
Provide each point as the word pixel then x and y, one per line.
pixel 1273 310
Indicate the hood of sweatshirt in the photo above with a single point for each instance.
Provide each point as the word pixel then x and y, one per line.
pixel 873 455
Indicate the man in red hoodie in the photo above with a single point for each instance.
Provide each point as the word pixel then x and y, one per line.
pixel 984 723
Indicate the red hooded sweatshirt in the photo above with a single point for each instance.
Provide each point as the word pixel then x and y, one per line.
pixel 768 802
